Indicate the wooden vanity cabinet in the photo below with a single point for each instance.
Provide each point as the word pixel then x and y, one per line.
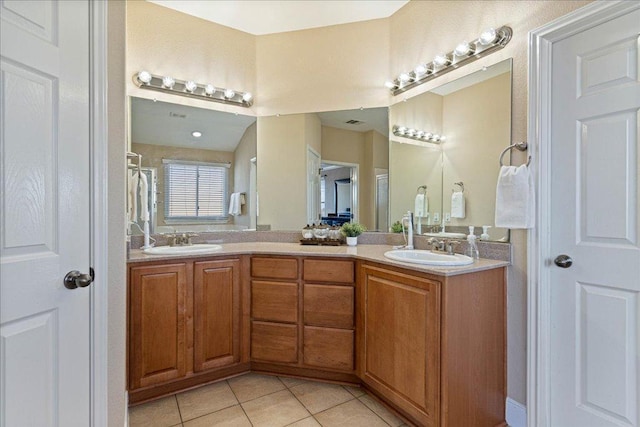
pixel 434 346
pixel 186 324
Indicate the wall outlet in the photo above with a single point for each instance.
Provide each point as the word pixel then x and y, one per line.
pixel 447 217
pixel 436 217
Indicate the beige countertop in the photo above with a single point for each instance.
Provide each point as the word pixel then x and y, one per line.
pixel 373 253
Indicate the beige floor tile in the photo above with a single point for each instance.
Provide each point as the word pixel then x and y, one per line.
pixel 352 414
pixel 159 413
pixel 382 412
pixel 229 417
pixel 307 422
pixel 205 400
pixel 251 386
pixel 317 397
pixel 356 391
pixel 292 382
pixel 273 410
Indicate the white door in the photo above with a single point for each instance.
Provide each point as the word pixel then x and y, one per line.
pixel 313 186
pixel 44 147
pixel 594 357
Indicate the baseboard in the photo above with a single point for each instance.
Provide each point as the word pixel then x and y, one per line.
pixel 516 414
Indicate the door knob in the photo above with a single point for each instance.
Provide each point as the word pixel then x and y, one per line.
pixel 563 261
pixel 74 279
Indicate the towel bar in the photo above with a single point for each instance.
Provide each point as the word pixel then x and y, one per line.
pixel 520 146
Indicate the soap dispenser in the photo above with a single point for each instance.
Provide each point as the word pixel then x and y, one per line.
pixel 485 232
pixel 472 247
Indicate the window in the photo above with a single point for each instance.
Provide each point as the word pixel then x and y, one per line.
pixel 195 190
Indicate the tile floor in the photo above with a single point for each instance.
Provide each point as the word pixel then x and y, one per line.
pixel 261 400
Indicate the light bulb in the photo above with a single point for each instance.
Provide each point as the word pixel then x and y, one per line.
pixel 436 137
pixel 488 36
pixel 228 93
pixel 404 77
pixel 428 135
pixel 441 59
pixel 411 132
pixel 247 97
pixel 168 82
pixel 144 77
pixel 402 130
pixel 420 134
pixel 389 84
pixel 190 86
pixel 463 49
pixel 196 134
pixel 420 70
pixel 209 90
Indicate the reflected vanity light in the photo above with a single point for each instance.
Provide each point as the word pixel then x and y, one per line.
pixel 196 134
pixel 417 135
pixel 466 52
pixel 189 88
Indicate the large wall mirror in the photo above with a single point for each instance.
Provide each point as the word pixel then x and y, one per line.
pixel 473 114
pixel 195 160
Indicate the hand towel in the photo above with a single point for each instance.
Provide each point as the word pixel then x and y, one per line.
pixel 234 204
pixel 515 198
pixel 143 191
pixel 421 208
pixel 132 196
pixel 457 205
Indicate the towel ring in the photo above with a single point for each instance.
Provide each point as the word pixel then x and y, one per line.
pixel 459 184
pixel 520 146
pixel 423 188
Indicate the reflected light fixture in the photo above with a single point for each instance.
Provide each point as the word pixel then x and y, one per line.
pixel 417 135
pixel 190 88
pixel 490 40
pixel 196 134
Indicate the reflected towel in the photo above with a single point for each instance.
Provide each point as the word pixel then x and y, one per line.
pixel 421 208
pixel 132 196
pixel 457 205
pixel 515 198
pixel 143 190
pixel 235 203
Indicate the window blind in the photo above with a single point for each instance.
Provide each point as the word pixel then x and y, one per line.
pixel 195 191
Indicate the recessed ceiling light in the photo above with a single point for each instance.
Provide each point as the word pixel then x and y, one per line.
pixel 196 134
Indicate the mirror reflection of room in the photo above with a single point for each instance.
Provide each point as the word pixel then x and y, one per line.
pixel 473 116
pixel 200 163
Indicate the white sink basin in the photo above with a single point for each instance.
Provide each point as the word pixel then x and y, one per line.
pixel 201 248
pixel 447 235
pixel 417 256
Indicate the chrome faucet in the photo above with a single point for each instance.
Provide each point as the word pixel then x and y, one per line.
pixel 183 239
pixel 446 246
pixel 408 219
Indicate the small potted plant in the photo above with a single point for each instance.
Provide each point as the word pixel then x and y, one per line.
pixel 351 230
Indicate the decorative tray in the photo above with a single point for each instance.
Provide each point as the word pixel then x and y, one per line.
pixel 322 242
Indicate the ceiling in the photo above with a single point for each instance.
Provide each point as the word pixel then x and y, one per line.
pixel 367 119
pixel 162 123
pixel 268 17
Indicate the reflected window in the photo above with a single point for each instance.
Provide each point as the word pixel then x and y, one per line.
pixel 195 191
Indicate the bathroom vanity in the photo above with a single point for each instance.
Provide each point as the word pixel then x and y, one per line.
pixel 429 342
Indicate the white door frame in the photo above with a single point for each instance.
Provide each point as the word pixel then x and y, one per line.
pixel 99 213
pixel 541 43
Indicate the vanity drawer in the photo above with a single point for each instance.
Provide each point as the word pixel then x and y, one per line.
pixel 329 348
pixel 274 268
pixel 275 301
pixel 335 271
pixel 329 305
pixel 274 342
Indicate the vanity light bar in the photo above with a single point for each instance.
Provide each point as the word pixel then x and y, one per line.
pixel 189 88
pixel 417 135
pixel 466 52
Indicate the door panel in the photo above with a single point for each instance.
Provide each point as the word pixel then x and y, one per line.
pixel 595 304
pixel 44 179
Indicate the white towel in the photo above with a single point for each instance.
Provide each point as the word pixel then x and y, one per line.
pixel 421 208
pixel 235 203
pixel 515 198
pixel 143 190
pixel 457 205
pixel 132 196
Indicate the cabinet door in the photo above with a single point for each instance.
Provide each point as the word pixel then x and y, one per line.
pixel 157 335
pixel 401 340
pixel 217 314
